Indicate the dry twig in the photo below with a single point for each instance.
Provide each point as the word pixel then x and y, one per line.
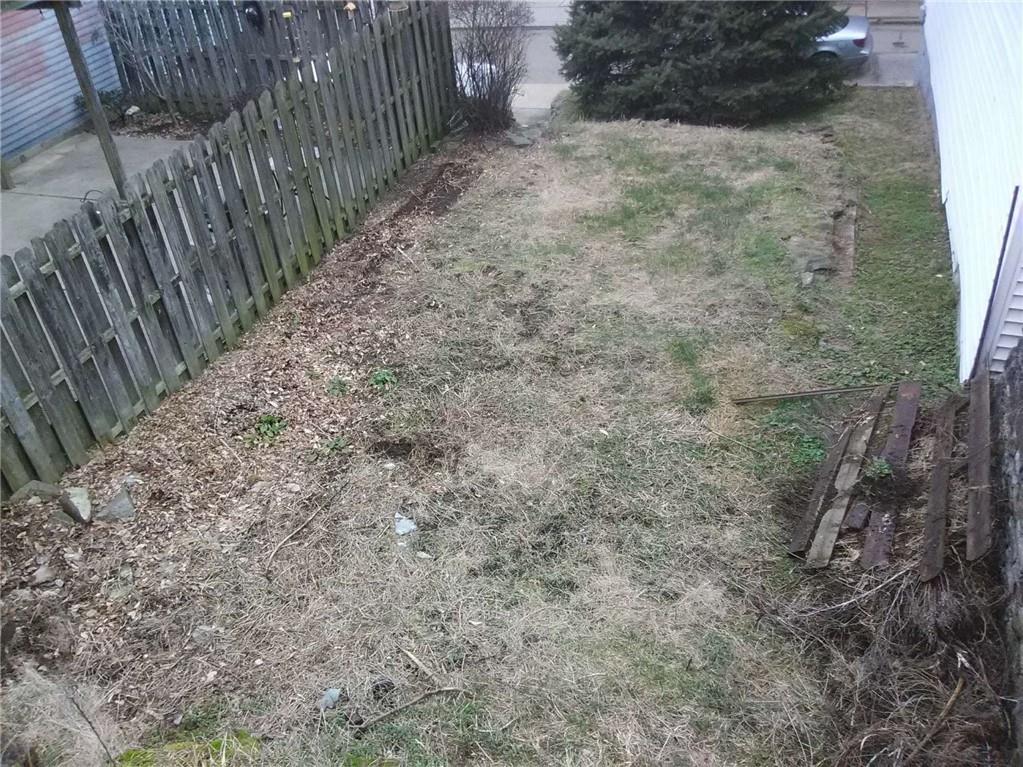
pixel 415 701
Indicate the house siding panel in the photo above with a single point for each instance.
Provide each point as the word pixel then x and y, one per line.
pixel 37 84
pixel 976 67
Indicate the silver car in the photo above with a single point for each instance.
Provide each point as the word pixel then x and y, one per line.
pixel 850 44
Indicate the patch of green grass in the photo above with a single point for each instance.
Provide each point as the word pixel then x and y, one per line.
pixel 435 735
pixel 694 678
pixel 685 353
pixel 877 469
pixel 383 379
pixel 789 435
pixel 899 319
pixel 267 428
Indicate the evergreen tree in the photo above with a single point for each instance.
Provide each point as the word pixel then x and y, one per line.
pixel 706 62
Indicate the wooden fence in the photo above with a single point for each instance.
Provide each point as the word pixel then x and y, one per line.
pixel 206 57
pixel 117 307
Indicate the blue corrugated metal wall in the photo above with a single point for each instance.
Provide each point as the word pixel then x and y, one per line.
pixel 37 85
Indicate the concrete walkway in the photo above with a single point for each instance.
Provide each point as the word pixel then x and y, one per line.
pixel 53 184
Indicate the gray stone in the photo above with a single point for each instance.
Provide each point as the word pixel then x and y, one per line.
pixel 519 138
pixel 120 508
pixel 78 505
pixel 61 518
pixel 36 489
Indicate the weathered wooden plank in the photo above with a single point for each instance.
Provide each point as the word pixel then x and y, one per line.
pixel 381 85
pixel 29 344
pixel 86 305
pixel 831 523
pixel 161 265
pixel 142 290
pixel 354 76
pixel 191 85
pixel 406 131
pixel 432 73
pixel 808 522
pixel 316 87
pixel 900 433
pixel 932 555
pixel 25 430
pixel 877 546
pixel 279 181
pixel 408 76
pixel 978 514
pixel 422 76
pixel 221 253
pixel 857 517
pixel 196 216
pixel 251 246
pixel 376 108
pixel 56 314
pixel 311 153
pixel 442 52
pixel 299 176
pixel 346 162
pixel 13 467
pixel 273 236
pixel 135 357
pixel 180 251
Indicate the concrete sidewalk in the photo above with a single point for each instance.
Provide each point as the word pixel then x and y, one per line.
pixel 53 184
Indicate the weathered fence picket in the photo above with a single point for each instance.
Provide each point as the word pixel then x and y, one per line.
pixel 119 306
pixel 205 57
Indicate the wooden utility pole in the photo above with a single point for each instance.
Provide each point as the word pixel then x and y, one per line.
pixel 92 103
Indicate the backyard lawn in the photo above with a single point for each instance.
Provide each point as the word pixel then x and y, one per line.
pixel 532 355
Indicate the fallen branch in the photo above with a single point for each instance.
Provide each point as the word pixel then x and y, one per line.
pixel 421 666
pixel 296 531
pixel 804 393
pixel 415 701
pixel 937 724
pixel 858 597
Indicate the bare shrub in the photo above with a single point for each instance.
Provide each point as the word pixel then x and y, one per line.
pixel 490 56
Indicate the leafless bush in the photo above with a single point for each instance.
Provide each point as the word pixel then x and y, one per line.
pixel 490 55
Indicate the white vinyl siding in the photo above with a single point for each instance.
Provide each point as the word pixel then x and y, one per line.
pixel 975 56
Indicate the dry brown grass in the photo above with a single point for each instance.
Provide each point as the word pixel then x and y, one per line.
pixel 564 340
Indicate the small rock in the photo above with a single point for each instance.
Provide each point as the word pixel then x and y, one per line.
pixel 381 687
pixel 292 487
pixel 60 518
pixel 403 525
pixel 36 489
pixel 43 574
pixel 132 113
pixel 423 555
pixel 518 138
pixel 76 504
pixel 331 697
pixel 120 508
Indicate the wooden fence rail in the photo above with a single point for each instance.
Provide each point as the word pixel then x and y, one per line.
pixel 119 306
pixel 206 57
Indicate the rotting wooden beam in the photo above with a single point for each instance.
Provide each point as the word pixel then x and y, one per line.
pixel 932 557
pixel 805 527
pixel 857 517
pixel 92 102
pixel 803 394
pixel 978 517
pixel 877 547
pixel 831 523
